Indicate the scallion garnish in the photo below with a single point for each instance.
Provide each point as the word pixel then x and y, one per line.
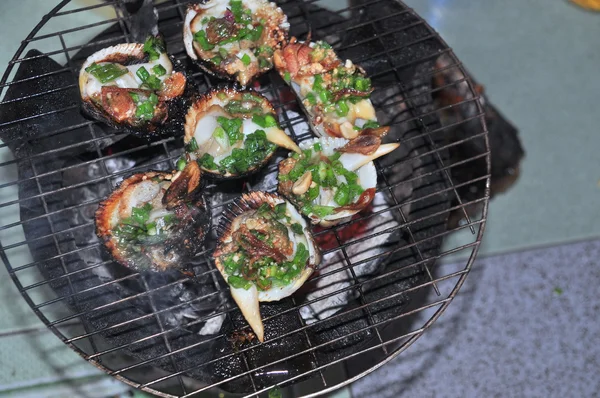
pixel 106 72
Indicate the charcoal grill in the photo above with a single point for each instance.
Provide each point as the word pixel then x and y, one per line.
pixel 383 281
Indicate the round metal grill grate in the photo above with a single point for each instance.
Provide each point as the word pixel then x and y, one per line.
pixel 381 284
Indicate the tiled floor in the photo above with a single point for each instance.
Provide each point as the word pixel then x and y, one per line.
pixel 524 325
pixel 511 332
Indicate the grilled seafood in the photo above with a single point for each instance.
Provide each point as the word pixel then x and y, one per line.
pixel 334 94
pixel 233 39
pixel 132 86
pixel 154 220
pixel 265 253
pixel 232 133
pixel 333 178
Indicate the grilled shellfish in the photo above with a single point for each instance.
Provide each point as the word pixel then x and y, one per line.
pixel 335 94
pixel 265 253
pixel 334 178
pixel 232 133
pixel 233 39
pixel 154 220
pixel 134 87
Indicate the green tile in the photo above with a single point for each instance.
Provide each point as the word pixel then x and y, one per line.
pixel 539 62
pixel 42 359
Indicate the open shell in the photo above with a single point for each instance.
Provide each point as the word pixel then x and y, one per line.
pixel 180 237
pixel 173 98
pixel 237 215
pixel 230 55
pixel 201 122
pixel 361 164
pixel 296 63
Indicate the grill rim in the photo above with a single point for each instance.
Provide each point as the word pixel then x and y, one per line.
pixel 414 335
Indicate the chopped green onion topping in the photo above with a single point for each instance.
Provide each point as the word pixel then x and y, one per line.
pixel 287 77
pixel 341 108
pixel 143 74
pixel 246 59
pixel 217 60
pixel 236 106
pixel 251 97
pixel 264 121
pixel 311 98
pixel 370 124
pixel 232 127
pixel 106 72
pixel 135 97
pixel 192 146
pixel 342 195
pixel 221 137
pixel 159 70
pixel 200 37
pixel 208 162
pixel 297 228
pixel 256 33
pixel 238 282
pixel 149 81
pixel 145 109
pixel 154 46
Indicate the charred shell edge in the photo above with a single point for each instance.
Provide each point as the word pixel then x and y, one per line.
pixel 208 66
pixel 102 215
pixel 177 107
pixel 252 201
pixel 229 89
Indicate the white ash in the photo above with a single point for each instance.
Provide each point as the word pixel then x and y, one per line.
pixel 343 279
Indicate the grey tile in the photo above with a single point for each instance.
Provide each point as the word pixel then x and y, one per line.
pixel 524 325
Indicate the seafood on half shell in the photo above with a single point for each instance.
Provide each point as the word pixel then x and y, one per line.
pixel 234 39
pixel 265 252
pixel 335 94
pixel 154 220
pixel 233 133
pixel 134 87
pixel 334 178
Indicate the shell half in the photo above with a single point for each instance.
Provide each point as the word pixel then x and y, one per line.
pixel 266 281
pixel 308 195
pixel 234 40
pixel 312 69
pixel 144 231
pixel 225 132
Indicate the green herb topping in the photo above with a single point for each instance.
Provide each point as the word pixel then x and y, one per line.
pixel 137 228
pixel 245 266
pixel 145 105
pixel 154 46
pixel 106 72
pixel 149 81
pixel 327 173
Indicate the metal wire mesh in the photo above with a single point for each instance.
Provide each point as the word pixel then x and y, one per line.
pixel 70 293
